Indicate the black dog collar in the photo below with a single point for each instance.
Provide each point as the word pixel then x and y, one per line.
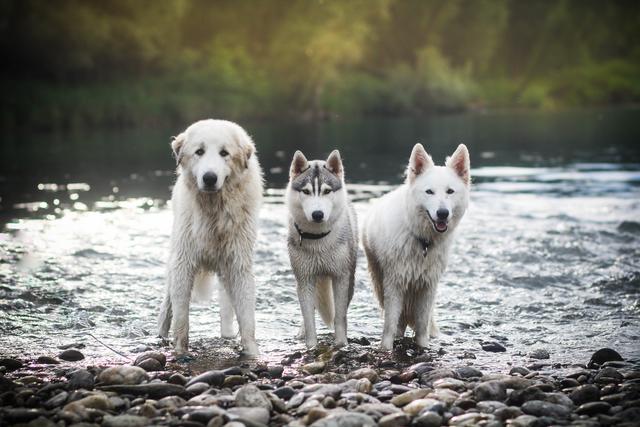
pixel 309 236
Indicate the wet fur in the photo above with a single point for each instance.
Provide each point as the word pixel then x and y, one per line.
pixel 214 233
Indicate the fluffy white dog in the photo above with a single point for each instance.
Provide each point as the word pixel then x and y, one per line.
pixel 215 202
pixel 407 237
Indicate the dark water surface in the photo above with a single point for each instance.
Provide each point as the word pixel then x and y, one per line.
pixel 548 255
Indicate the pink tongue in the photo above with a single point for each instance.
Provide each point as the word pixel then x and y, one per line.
pixel 441 225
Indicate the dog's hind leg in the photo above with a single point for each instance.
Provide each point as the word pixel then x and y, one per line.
pixel 241 288
pixel 164 318
pixel 392 313
pixel 434 331
pixel 226 313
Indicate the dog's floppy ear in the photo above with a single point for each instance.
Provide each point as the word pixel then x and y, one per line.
pixel 298 164
pixel 460 163
pixel 334 163
pixel 176 145
pixel 419 161
pixel 245 143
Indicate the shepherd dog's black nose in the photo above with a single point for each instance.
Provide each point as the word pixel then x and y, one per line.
pixel 317 216
pixel 442 213
pixel 209 179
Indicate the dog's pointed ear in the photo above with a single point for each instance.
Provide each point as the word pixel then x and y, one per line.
pixel 460 163
pixel 177 143
pixel 298 164
pixel 419 161
pixel 334 163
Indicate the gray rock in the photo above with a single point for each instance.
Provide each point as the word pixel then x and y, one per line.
pixel 177 379
pixel 125 421
pixel 450 383
pixel 508 413
pixel 332 390
pixel 521 370
pixel 593 408
pixel 471 419
pixel 560 399
pixel 151 361
pixel 81 378
pixel 367 373
pixel 296 401
pixel 124 374
pixel 468 372
pixel 251 396
pixel 493 346
pixel 489 406
pixel 604 355
pixel 345 419
pixel 254 414
pixel 314 367
pixel 285 393
pixel 198 388
pixel 377 410
pixel 71 355
pixel 608 376
pixel 214 378
pixel 57 400
pixel 436 374
pixel 540 408
pixel 153 390
pixel 539 353
pixel 47 360
pixel 171 402
pixel 41 422
pixel 232 381
pixel 525 421
pixel 21 415
pixel 490 390
pixel 11 364
pixel 428 419
pixel 397 419
pixel 417 406
pixel 409 396
pixel 204 414
pixel 585 393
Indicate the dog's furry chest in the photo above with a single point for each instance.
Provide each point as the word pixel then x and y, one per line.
pixel 315 258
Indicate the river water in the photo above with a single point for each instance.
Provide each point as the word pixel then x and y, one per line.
pixel 547 256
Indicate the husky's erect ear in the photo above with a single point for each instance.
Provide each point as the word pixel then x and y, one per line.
pixel 334 163
pixel 298 164
pixel 459 162
pixel 176 145
pixel 419 161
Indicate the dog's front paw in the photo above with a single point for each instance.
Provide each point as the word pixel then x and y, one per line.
pixel 228 333
pixel 422 341
pixel 250 349
pixel 311 343
pixel 386 343
pixel 300 334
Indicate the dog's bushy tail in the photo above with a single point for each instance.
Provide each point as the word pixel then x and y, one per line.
pixel 324 300
pixel 203 287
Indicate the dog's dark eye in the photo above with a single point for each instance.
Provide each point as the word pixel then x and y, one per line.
pixel 327 191
pixel 429 191
pixel 200 151
pixel 224 153
pixel 450 191
pixel 307 192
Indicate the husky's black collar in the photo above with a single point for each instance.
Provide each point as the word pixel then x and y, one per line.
pixel 309 236
pixel 424 244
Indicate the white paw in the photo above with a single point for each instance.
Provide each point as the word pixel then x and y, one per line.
pixel 250 349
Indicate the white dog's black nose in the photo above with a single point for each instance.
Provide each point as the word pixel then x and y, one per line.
pixel 209 179
pixel 317 216
pixel 442 213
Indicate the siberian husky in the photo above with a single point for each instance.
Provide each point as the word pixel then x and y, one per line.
pixel 323 243
pixel 215 202
pixel 407 237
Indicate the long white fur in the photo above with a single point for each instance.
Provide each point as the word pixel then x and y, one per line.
pixel 213 232
pixel 405 280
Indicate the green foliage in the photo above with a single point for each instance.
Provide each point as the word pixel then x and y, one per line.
pixel 93 62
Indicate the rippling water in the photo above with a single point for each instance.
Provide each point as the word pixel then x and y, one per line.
pixel 544 258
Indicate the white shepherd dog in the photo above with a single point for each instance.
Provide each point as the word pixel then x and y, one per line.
pixel 215 201
pixel 407 237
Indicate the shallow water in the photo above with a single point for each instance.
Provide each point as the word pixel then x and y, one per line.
pixel 547 256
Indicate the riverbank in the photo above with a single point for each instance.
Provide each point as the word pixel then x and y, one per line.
pixel 355 386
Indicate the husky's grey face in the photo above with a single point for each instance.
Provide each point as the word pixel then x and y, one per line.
pixel 440 192
pixel 316 188
pixel 211 151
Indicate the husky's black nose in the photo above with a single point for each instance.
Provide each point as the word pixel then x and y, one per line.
pixel 317 216
pixel 442 213
pixel 209 179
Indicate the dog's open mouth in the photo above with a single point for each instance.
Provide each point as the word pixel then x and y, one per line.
pixel 440 225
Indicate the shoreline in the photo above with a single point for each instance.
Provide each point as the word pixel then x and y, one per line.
pixel 355 385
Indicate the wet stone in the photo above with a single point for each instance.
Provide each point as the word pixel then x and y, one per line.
pixel 285 393
pixel 123 374
pixel 394 420
pixel 519 370
pixel 507 413
pixel 177 379
pixel 81 379
pixel 471 419
pixel 526 421
pixel 593 408
pixel 569 383
pixel 233 381
pixel 254 414
pixel 608 375
pixel 468 372
pixel 125 421
pixel 214 378
pixel 71 355
pixel 250 396
pixel 604 355
pixel 57 400
pixel 11 364
pixel 493 346
pixel 198 388
pixel 408 397
pixel 47 360
pixel 367 373
pixel 415 407
pixel 490 406
pixel 540 408
pixel 314 368
pixel 428 419
pixel 490 390
pixel 345 419
pixel 539 353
